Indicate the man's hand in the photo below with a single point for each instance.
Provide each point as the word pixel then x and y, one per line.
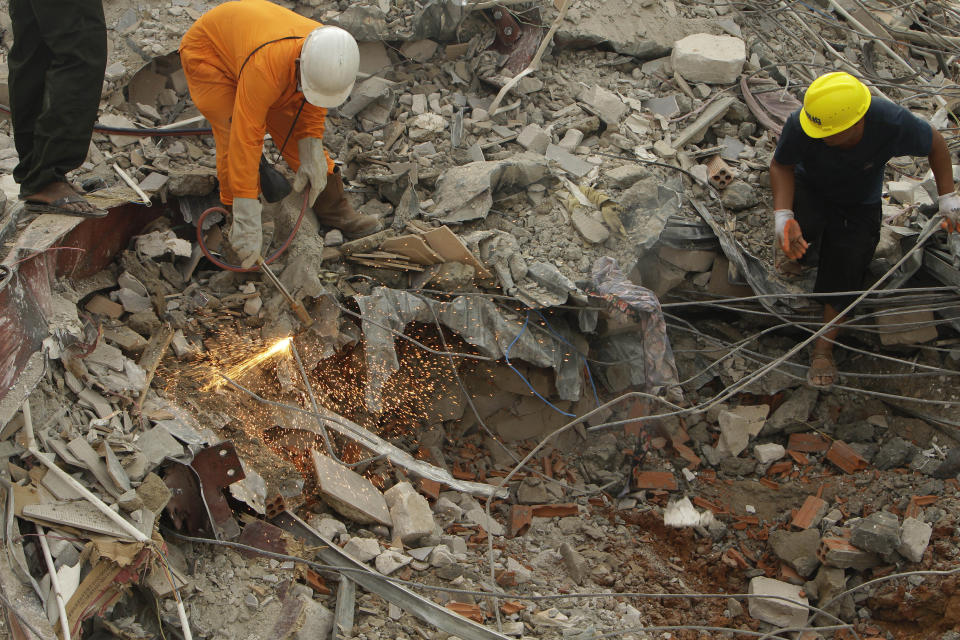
pixel 246 236
pixel 789 235
pixel 950 210
pixel 313 167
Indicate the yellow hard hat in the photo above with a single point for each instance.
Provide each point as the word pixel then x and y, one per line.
pixel 833 103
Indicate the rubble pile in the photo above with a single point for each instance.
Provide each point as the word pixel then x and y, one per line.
pixel 493 426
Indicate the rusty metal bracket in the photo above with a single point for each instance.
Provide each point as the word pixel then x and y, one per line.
pixel 518 42
pixel 199 505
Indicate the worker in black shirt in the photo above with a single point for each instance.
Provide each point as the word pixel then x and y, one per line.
pixel 827 178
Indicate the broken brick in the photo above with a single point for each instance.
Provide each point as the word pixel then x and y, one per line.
pixel 430 488
pixel 783 466
pixel 799 457
pixel 654 480
pixel 807 443
pixel 555 510
pixel 510 607
pixel 843 455
pixel 470 611
pixel 810 513
pixel 521 517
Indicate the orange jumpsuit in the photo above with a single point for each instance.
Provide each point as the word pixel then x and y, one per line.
pixel 241 107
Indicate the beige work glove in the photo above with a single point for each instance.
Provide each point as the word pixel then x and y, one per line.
pixel 789 236
pixel 950 210
pixel 246 235
pixel 313 168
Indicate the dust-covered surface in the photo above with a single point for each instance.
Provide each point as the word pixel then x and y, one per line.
pixel 582 161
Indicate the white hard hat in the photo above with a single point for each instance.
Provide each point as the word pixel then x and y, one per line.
pixel 329 61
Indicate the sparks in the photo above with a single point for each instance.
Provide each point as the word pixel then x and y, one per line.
pixel 277 349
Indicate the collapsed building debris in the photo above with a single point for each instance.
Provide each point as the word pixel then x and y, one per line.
pixel 533 395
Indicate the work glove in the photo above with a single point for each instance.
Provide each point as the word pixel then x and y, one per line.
pixel 950 210
pixel 789 235
pixel 246 235
pixel 313 168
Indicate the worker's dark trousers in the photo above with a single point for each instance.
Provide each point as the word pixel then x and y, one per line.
pixel 56 70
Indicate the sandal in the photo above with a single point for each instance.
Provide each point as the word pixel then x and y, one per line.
pixel 826 369
pixel 59 206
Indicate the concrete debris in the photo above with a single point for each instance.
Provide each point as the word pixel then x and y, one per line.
pixel 349 493
pixel 879 532
pixel 639 143
pixel 790 611
pixel 410 513
pixel 702 57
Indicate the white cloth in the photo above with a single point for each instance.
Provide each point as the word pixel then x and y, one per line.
pixel 313 167
pixel 246 235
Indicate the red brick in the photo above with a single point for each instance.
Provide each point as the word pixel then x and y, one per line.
pixel 843 455
pixel 521 517
pixel 807 442
pixel 812 510
pixel 655 480
pixel 555 510
pixel 430 488
pixel 471 611
pixel 510 607
pixel 799 457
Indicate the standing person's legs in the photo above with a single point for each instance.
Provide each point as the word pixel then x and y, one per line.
pixel 849 239
pixel 74 35
pixel 214 95
pixel 28 61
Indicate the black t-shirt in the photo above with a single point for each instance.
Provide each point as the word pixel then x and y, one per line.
pixel 854 176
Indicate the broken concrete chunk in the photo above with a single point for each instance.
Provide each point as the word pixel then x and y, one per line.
pixel 591 228
pixel 389 561
pixel 791 612
pixel 906 327
pixel 158 243
pixel 795 411
pixel 133 302
pixel 769 452
pixel 879 532
pixel 363 549
pixel 157 444
pixel 606 104
pixel 702 57
pixel 567 161
pixel 575 563
pixel 534 138
pixel 798 549
pixel 95 401
pixel 738 425
pixel 914 538
pixel 349 493
pixel 410 512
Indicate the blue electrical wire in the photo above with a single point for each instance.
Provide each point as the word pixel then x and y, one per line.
pixel 559 337
pixel 506 356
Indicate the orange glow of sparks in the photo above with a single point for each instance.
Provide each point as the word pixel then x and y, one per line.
pixel 280 348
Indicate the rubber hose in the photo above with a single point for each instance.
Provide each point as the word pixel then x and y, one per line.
pixel 237 268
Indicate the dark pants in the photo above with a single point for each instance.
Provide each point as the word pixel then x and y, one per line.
pixel 843 239
pixel 56 70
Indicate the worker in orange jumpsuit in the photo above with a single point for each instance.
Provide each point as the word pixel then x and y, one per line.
pixel 254 67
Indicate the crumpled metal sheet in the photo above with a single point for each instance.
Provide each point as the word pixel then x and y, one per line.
pixel 477 320
pixel 753 270
pixel 648 362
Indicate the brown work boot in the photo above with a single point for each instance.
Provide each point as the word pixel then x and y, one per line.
pixel 334 210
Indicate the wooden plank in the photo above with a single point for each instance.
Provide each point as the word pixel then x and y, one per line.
pixel 413 247
pixel 152 355
pixel 452 249
pixel 385 264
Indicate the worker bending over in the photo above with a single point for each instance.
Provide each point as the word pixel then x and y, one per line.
pixel 254 67
pixel 827 178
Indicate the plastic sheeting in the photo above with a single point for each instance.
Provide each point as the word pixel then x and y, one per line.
pixel 476 320
pixel 647 362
